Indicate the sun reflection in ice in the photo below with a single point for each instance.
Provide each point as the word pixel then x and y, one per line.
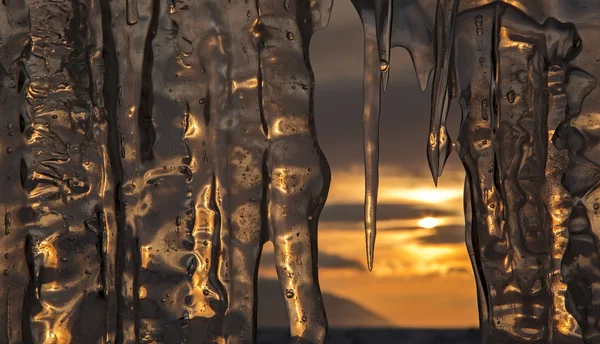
pixel 428 222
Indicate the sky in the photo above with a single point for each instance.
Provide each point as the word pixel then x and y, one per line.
pixel 422 276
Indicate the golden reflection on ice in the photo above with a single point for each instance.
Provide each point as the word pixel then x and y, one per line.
pixel 248 84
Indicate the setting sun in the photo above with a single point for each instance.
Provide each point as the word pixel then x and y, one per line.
pixel 428 222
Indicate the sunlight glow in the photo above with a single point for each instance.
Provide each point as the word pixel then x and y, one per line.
pixel 428 222
pixel 425 195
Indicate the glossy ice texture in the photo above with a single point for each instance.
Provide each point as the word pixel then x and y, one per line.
pixel 148 149
pixel 524 73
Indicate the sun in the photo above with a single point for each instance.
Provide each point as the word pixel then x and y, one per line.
pixel 429 222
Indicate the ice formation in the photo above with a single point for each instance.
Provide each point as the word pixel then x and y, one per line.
pixel 149 149
pixel 523 74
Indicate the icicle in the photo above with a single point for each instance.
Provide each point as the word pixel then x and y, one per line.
pixel 411 30
pixel 132 15
pixel 381 34
pixel 439 144
pixel 371 109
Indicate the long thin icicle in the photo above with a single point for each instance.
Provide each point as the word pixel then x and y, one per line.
pixel 373 68
pixel 439 144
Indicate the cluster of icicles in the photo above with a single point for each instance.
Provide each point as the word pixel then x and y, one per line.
pixel 384 31
pixel 529 149
pixel 149 150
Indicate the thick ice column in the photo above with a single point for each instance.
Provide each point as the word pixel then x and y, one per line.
pixel 296 171
pixel 501 66
pixel 57 202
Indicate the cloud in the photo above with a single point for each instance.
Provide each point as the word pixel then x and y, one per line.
pixel 446 235
pixel 406 253
pixel 459 270
pixel 403 131
pixel 354 212
pixel 418 259
pixel 397 186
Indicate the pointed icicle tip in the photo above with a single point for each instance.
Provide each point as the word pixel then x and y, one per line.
pixel 370 234
pixel 439 146
pixel 385 77
pixel 432 156
pixel 439 142
pixel 370 239
pixel 422 75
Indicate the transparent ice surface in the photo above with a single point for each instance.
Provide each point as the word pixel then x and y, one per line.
pixel 523 72
pixel 149 149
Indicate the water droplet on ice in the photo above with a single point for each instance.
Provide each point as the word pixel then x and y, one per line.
pixel 384 65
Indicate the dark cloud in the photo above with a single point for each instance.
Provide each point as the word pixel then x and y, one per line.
pixel 326 261
pixel 354 212
pixel 446 235
pixel 459 271
pixel 340 312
